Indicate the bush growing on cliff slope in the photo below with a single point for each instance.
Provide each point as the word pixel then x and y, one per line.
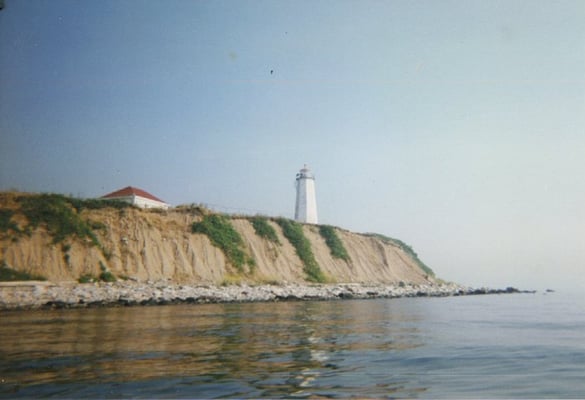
pixel 60 215
pixel 293 231
pixel 105 275
pixel 8 274
pixel 264 229
pixel 223 235
pixel 334 243
pixel 6 224
pixel 406 248
pixel 57 214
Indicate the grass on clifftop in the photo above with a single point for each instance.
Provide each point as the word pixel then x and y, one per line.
pixel 222 234
pixel 406 248
pixel 58 215
pixel 293 231
pixel 334 243
pixel 264 229
pixel 6 223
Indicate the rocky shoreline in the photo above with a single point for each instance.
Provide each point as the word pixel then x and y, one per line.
pixel 46 295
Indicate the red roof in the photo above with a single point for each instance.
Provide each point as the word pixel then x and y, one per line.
pixel 129 191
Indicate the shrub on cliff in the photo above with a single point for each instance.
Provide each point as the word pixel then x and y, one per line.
pixel 222 234
pixel 334 243
pixel 60 216
pixel 57 215
pixel 293 231
pixel 264 229
pixel 8 274
pixel 6 223
pixel 105 275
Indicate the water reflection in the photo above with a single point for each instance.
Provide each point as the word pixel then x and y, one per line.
pixel 260 350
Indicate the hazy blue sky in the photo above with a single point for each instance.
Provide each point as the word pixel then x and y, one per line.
pixel 456 126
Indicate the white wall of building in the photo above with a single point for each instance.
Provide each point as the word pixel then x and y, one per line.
pixel 141 202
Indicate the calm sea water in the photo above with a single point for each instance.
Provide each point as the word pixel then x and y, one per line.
pixel 497 346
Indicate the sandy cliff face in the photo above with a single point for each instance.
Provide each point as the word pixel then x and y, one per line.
pixel 148 245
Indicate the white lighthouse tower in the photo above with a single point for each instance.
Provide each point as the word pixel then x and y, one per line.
pixel 306 206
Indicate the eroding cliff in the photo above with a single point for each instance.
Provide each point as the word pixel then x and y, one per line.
pixel 66 239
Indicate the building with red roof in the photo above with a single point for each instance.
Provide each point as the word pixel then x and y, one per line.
pixel 137 197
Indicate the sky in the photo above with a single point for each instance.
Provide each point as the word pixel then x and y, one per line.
pixel 457 126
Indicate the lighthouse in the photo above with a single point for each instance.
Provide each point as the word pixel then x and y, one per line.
pixel 306 205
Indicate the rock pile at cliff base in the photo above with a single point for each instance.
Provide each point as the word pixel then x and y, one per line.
pixel 42 295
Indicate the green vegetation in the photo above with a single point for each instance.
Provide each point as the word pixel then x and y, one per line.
pixel 293 231
pixel 87 278
pixel 60 215
pixel 9 275
pixel 222 234
pixel 334 243
pixel 105 275
pixel 264 229
pixel 57 214
pixel 6 224
pixel 96 204
pixel 96 225
pixel 406 248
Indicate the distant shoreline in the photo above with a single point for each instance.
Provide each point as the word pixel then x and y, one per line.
pixel 34 295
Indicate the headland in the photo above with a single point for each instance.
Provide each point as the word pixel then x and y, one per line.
pixel 98 252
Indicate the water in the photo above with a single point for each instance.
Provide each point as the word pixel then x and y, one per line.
pixel 506 346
